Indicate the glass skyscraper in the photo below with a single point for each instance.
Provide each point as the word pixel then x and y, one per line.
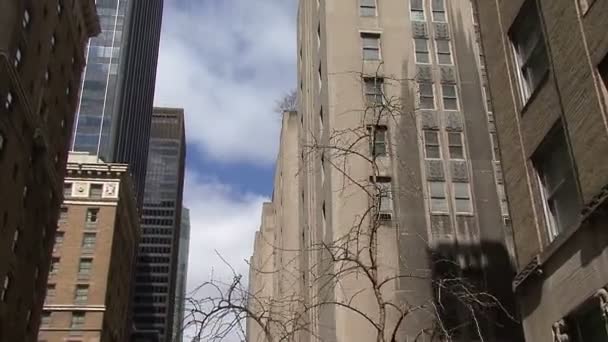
pixel 98 100
pixel 157 262
pixel 117 93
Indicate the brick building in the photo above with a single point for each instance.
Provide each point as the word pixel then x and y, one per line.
pixel 548 71
pixel 90 282
pixel 41 61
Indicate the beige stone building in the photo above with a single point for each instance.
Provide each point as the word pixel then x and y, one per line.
pixel 90 282
pixel 387 200
pixel 42 46
pixel 548 69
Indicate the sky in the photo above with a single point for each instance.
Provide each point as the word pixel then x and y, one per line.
pixel 226 62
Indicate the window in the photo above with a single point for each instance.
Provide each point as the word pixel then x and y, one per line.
pixel 45 320
pixel 417 10
pixel 15 239
pixel 63 215
pixel 588 324
pixel 59 8
pixel 385 197
pixel 50 293
pixel 95 190
pixel 462 198
pixel 374 91
pixel 456 146
pixel 25 21
pixel 2 142
pixel 47 76
pixel 432 149
pixel 439 11
pixel 495 149
pixel 439 202
pixel 88 241
pixel 59 236
pixel 450 97
pixel 6 284
pixel 602 69
pixel 8 101
pixel 81 294
pixel 367 8
pixel 53 41
pixel 77 320
pixel 529 48
pixel 18 58
pixel 559 192
pixel 54 265
pixel 377 143
pixel 444 52
pixel 85 265
pixel 371 46
pixel 92 215
pixel 426 96
pixel 422 50
pixel 67 190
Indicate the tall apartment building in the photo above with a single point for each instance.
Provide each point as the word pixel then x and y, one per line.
pixel 88 294
pixel 395 169
pixel 41 61
pixel 548 71
pixel 182 276
pixel 157 262
pixel 115 108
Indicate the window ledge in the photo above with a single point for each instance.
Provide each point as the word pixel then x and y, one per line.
pixel 535 266
pixel 534 94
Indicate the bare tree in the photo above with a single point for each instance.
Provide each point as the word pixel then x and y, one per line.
pixel 288 103
pixel 350 271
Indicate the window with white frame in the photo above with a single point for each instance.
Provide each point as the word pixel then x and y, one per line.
pixel 384 197
pixel 81 294
pixel 367 8
pixel 529 48
pixel 462 198
pixel 78 318
pixel 456 145
pixel 59 237
pixel 432 149
pixel 438 198
pixel 377 143
pixel 25 21
pixel 54 268
pixel 88 241
pixel 6 284
pixel 426 96
pixel 422 50
pixel 450 96
pixel 371 45
pixel 84 266
pixel 444 52
pixel 439 14
pixel 92 215
pixel 561 201
pixel 374 91
pixel 417 10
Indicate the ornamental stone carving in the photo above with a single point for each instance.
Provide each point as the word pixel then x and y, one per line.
pixel 110 190
pixel 560 331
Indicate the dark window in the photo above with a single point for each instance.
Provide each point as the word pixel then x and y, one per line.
pixel 588 325
pixel 374 90
pixel 529 48
pixel 560 196
pixel 378 140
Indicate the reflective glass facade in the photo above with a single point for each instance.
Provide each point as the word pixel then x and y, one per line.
pixel 98 101
pixel 159 249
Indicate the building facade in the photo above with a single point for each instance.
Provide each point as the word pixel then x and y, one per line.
pixel 42 48
pixel 395 167
pixel 157 262
pixel 117 92
pixel 548 70
pixel 182 276
pixel 88 293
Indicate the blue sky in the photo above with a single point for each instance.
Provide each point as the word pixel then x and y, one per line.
pixel 226 62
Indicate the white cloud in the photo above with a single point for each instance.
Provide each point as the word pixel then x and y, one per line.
pixel 227 62
pixel 222 220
